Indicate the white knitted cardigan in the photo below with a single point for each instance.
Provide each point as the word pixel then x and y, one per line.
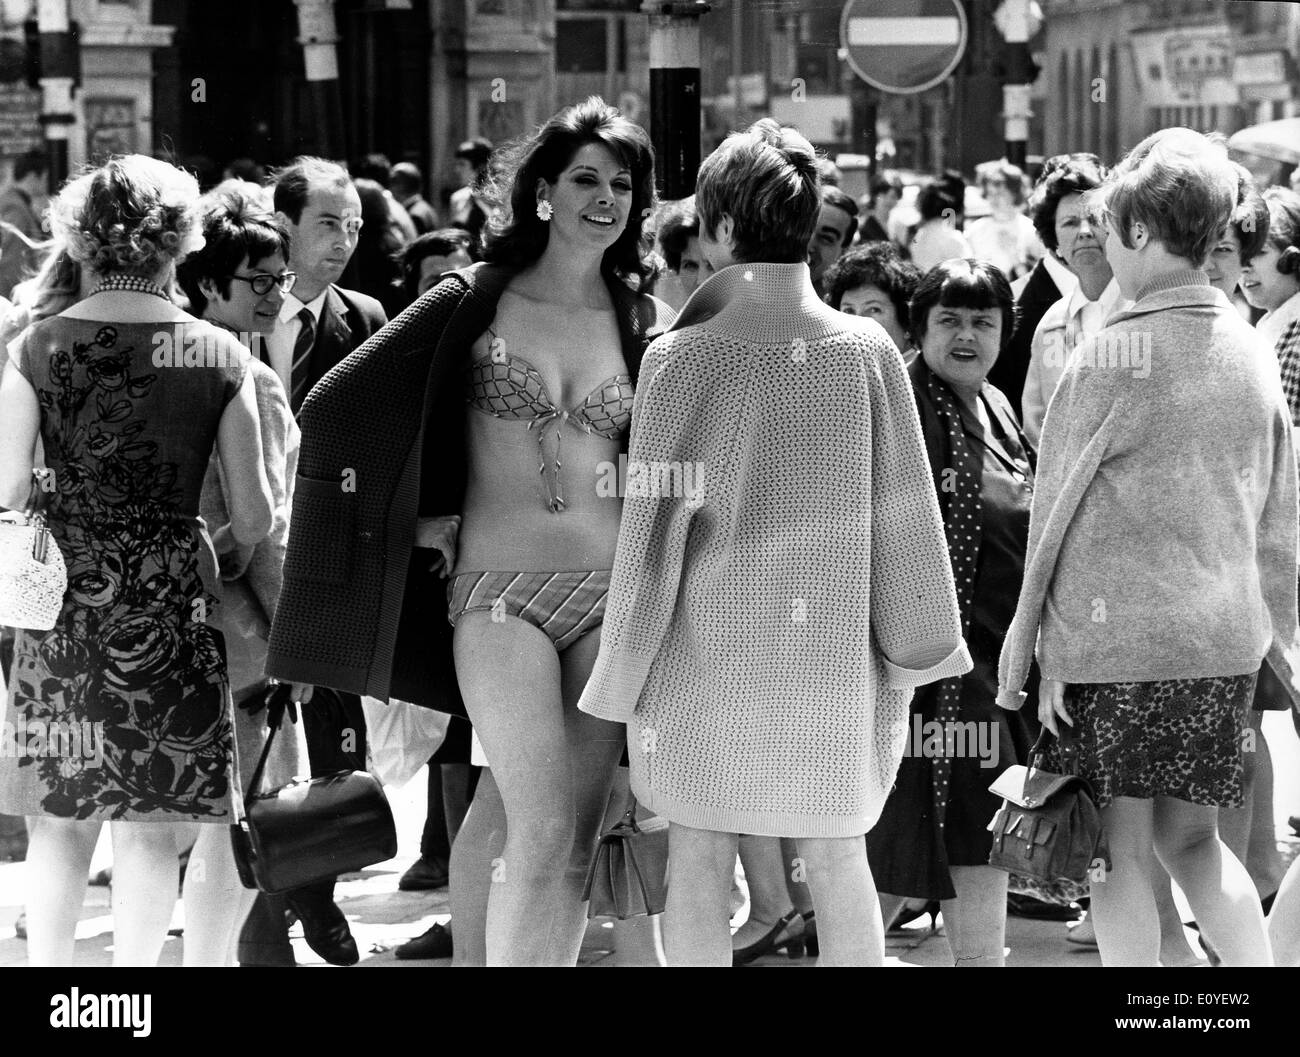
pixel 765 632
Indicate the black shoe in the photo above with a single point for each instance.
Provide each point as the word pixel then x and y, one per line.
pixel 324 927
pixel 906 916
pixel 423 876
pixel 436 943
pixel 780 937
pixel 1029 907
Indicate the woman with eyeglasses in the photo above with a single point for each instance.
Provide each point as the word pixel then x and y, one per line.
pixel 133 674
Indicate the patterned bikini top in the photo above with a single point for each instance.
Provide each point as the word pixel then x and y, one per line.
pixel 508 387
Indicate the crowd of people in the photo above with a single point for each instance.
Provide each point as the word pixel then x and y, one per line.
pixel 1031 475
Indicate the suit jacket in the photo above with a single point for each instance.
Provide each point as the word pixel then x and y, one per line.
pixel 1008 374
pixel 383 442
pixel 347 319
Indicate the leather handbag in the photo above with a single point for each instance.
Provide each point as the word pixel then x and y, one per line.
pixel 33 577
pixel 629 873
pixel 309 830
pixel 1048 828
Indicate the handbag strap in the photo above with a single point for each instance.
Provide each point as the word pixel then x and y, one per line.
pixel 1067 744
pixel 277 703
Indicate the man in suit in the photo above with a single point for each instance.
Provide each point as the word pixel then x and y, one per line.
pixel 320 325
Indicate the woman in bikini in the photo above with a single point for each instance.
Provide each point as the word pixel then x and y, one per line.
pixel 546 404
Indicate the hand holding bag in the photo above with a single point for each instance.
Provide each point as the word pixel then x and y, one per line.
pixel 1048 827
pixel 309 830
pixel 33 578
pixel 629 874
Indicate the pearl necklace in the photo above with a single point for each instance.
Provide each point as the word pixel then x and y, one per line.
pixel 134 283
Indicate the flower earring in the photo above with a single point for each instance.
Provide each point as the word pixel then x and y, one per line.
pixel 544 209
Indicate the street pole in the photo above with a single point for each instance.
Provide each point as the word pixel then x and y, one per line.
pixel 318 35
pixel 675 93
pixel 58 72
pixel 1015 93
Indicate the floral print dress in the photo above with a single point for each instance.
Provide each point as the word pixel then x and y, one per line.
pixel 122 711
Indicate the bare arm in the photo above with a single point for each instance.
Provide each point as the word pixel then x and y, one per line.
pixel 20 421
pixel 239 446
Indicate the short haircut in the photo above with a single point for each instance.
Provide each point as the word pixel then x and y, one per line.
pixel 476 151
pixel 1283 218
pixel 29 162
pixel 679 225
pixel 1180 185
pixel 1063 174
pixel 295 182
pixel 1250 220
pixel 765 179
pixel 936 199
pixel 1003 172
pixel 963 282
pixel 407 174
pixel 885 183
pixel 235 226
pixel 375 167
pixel 441 243
pixel 133 215
pixel 833 196
pixel 879 264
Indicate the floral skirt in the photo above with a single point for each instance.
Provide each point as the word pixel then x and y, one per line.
pixel 1182 738
pixel 123 710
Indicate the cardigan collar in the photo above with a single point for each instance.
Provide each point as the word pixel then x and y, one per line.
pixel 751 301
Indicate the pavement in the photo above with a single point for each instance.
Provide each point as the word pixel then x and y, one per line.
pixel 382 917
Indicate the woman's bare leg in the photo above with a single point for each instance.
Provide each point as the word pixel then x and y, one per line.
pixel 1220 892
pixel 145 872
pixel 769 895
pixel 849 928
pixel 58 860
pixel 1284 921
pixel 697 928
pixel 975 923
pixel 1123 905
pixel 215 902
pixel 479 842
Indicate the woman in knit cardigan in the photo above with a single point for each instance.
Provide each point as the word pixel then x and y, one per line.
pixel 767 625
pixel 1162 554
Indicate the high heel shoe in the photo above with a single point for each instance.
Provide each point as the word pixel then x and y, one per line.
pixel 905 916
pixel 810 942
pixel 772 941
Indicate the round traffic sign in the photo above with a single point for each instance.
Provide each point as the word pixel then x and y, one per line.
pixel 903 46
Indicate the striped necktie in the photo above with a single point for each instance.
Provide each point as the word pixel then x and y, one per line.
pixel 300 372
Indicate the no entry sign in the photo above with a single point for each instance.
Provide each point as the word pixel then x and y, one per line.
pixel 903 46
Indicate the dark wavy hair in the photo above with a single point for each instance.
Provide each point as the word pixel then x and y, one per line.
pixel 963 282
pixel 879 264
pixel 515 237
pixel 235 226
pixel 1063 174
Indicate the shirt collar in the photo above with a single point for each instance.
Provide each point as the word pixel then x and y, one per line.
pixel 1108 298
pixel 292 306
pixel 1064 279
pixel 1272 324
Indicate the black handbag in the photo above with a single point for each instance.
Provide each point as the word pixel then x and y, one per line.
pixel 629 873
pixel 1048 828
pixel 309 830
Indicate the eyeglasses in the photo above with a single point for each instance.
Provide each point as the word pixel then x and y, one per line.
pixel 263 281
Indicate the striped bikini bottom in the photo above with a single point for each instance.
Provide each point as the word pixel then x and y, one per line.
pixel 564 605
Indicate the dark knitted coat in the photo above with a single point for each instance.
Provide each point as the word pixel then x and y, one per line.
pixel 383 441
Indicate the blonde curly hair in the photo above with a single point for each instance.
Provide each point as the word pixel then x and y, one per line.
pixel 134 215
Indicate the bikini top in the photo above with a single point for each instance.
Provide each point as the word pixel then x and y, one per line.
pixel 505 386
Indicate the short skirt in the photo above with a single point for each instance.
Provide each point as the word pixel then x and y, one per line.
pixel 1181 738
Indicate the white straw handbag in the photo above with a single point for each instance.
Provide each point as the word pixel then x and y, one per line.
pixel 33 577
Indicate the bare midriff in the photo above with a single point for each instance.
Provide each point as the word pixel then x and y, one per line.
pixel 522 511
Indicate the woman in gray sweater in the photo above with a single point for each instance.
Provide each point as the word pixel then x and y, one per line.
pixel 1162 554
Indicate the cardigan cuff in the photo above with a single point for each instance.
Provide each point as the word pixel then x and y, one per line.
pixel 615 685
pixel 1011 700
pixel 956 663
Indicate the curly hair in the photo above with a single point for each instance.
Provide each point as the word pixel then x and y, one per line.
pixel 879 264
pixel 678 224
pixel 1063 174
pixel 138 216
pixel 236 225
pixel 514 236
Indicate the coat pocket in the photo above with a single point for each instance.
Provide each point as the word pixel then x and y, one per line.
pixel 322 532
